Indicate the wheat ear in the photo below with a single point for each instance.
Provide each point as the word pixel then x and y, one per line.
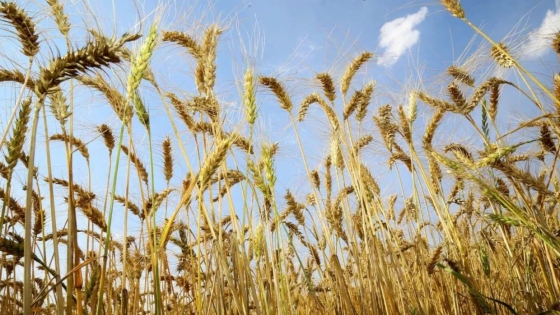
pixel 24 26
pixel 354 66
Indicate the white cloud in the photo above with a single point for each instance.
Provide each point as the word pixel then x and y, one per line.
pixel 539 39
pixel 399 35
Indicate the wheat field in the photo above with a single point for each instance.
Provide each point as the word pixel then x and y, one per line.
pixel 124 192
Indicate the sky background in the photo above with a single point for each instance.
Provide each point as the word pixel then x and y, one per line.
pixel 413 41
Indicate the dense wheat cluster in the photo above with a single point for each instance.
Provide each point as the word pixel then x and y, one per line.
pixel 195 222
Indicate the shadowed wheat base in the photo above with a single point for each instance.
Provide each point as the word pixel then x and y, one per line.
pixel 478 234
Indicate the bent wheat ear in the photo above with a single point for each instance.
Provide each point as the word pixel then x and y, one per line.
pixel 461 75
pixel 278 89
pixel 328 85
pixel 185 40
pixel 114 97
pixel 15 76
pixel 431 128
pixel 181 109
pixel 304 107
pixel 361 143
pixel 93 55
pixel 139 165
pixel 441 104
pixel 481 91
pixel 354 66
pixel 130 206
pixel 80 145
pixel 25 27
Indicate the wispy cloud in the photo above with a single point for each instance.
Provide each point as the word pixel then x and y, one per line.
pixel 399 35
pixel 539 39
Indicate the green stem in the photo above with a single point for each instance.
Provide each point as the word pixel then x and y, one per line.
pixel 27 245
pixel 155 260
pixel 109 222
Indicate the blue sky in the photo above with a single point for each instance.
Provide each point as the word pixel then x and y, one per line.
pixel 412 40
